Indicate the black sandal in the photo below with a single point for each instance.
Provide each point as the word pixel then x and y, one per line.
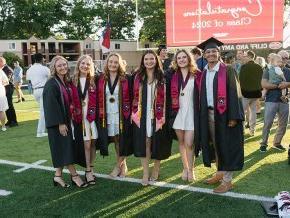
pixel 92 166
pixel 55 183
pixel 83 185
pixel 90 182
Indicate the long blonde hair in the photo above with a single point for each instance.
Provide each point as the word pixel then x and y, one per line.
pixel 191 63
pixel 122 67
pixel 90 75
pixel 53 72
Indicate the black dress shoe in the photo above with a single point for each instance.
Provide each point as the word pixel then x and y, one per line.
pixel 7 124
pixel 23 99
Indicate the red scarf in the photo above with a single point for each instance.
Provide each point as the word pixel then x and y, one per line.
pixel 124 99
pixel 159 103
pixel 222 88
pixel 77 107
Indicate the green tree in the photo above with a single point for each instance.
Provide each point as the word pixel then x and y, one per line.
pixel 10 58
pixel 80 20
pixel 152 15
pixel 122 17
pixel 24 18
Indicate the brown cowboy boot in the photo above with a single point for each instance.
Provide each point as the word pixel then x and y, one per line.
pixel 214 179
pixel 223 187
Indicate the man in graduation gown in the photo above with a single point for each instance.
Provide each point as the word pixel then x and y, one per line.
pixel 221 115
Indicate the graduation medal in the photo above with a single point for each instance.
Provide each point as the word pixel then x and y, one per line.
pixel 112 89
pixel 111 99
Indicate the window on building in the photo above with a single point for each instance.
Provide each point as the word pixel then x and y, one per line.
pixel 147 46
pixel 117 46
pixel 12 46
pixel 105 56
pixel 88 46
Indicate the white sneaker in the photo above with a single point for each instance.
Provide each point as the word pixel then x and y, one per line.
pixel 4 128
pixel 39 135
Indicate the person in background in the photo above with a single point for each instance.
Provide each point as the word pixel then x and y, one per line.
pixel 17 80
pixel 274 105
pixel 10 113
pixel 163 56
pixel 199 59
pixel 3 100
pixel 239 61
pixel 38 75
pixel 250 80
pixel 262 62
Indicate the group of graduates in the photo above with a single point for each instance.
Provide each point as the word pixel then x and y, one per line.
pixel 142 113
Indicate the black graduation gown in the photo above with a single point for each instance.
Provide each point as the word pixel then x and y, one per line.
pixel 229 140
pixel 64 150
pixel 161 141
pixel 125 136
pixel 173 114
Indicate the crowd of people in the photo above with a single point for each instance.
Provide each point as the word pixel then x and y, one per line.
pixel 195 98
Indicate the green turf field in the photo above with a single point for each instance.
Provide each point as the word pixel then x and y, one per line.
pixel 33 195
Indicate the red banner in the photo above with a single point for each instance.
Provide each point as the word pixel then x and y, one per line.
pixel 189 22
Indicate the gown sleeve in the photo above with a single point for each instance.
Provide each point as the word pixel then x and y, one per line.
pixel 53 107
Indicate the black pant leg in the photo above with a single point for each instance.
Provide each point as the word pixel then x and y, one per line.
pixel 10 113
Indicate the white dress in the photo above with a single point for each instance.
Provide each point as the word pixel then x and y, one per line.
pixel 184 119
pixel 150 101
pixel 90 129
pixel 112 109
pixel 3 100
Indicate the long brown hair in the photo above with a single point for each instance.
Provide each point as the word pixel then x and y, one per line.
pixel 53 72
pixel 192 67
pixel 90 75
pixel 158 72
pixel 121 69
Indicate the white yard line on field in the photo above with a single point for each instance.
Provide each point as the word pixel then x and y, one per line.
pixel 158 184
pixel 28 167
pixel 4 192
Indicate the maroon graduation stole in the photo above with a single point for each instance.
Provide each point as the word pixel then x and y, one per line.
pixel 77 107
pixel 159 103
pixel 101 99
pixel 124 99
pixel 174 92
pixel 222 88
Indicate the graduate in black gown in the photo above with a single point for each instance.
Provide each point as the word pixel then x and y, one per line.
pixel 151 135
pixel 56 102
pixel 183 92
pixel 84 100
pixel 113 112
pixel 221 116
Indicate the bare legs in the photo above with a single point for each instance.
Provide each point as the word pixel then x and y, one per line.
pixel 19 92
pixel 2 120
pixel 145 165
pixel 74 176
pixel 185 141
pixel 89 160
pixel 121 166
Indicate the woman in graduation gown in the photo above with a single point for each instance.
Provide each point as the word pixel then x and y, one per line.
pixel 113 112
pixel 56 102
pixel 183 91
pixel 84 111
pixel 151 135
